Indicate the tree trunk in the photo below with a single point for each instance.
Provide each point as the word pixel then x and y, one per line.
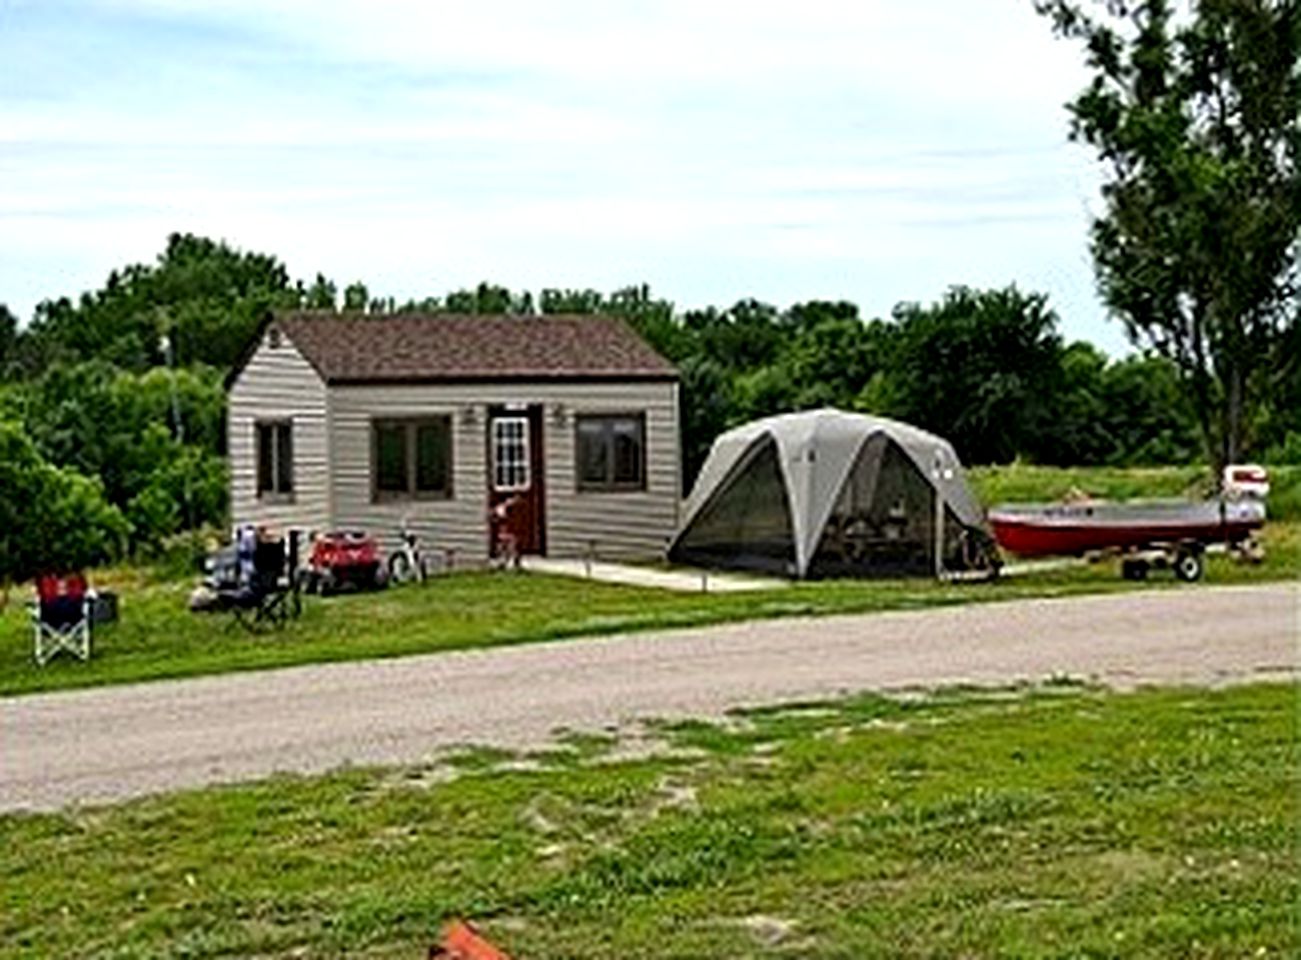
pixel 1233 417
pixel 1196 387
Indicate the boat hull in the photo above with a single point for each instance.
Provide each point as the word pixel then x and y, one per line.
pixel 1073 529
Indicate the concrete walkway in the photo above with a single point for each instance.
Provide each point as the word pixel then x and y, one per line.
pixel 687 581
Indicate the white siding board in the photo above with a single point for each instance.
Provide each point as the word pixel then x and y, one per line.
pixel 617 525
pixel 277 384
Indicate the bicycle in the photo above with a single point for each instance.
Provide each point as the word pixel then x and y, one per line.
pixel 407 563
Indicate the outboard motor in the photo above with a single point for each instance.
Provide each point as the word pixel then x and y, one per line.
pixel 1245 481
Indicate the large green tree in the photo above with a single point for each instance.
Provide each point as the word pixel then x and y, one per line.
pixel 205 295
pixel 1193 112
pixel 980 367
pixel 120 428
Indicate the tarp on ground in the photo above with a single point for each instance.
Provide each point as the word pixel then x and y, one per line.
pixel 830 493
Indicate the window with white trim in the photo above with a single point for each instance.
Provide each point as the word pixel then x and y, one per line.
pixel 510 453
pixel 274 443
pixel 411 458
pixel 611 452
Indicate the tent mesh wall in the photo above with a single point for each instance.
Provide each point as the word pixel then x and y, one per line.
pixel 883 518
pixel 883 522
pixel 747 523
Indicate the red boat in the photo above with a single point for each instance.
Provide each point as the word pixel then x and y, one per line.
pixel 1036 530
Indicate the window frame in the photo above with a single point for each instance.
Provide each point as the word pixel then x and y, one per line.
pixel 273 426
pixel 523 442
pixel 411 426
pixel 610 485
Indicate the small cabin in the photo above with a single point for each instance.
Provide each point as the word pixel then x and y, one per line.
pixel 339 421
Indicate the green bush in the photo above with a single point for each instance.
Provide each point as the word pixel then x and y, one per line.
pixel 1288 452
pixel 1285 492
pixel 180 556
pixel 51 519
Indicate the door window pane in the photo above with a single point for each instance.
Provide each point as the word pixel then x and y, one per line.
pixel 510 453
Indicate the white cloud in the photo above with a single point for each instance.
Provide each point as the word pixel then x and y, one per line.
pixel 876 151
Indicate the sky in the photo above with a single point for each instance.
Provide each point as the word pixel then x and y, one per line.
pixel 877 151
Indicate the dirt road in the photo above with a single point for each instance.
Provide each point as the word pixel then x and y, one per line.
pixel 117 742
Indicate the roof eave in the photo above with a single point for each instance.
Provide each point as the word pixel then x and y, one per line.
pixel 618 376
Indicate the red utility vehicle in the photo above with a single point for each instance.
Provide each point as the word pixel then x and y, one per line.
pixel 344 559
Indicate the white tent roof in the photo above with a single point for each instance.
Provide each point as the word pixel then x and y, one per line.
pixel 816 450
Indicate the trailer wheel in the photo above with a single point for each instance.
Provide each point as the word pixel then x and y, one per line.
pixel 1189 566
pixel 1133 569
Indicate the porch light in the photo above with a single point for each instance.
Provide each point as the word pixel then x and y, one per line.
pixel 559 416
pixel 469 415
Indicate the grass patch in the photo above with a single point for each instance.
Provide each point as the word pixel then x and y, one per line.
pixel 1055 821
pixel 158 638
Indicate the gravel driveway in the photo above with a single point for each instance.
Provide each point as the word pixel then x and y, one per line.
pixel 117 742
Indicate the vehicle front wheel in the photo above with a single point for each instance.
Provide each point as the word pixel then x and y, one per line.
pixel 399 569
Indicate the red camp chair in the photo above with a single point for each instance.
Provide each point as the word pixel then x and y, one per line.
pixel 61 616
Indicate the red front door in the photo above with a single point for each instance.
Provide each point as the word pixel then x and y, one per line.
pixel 515 477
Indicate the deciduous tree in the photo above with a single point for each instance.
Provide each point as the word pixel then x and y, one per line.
pixel 1193 112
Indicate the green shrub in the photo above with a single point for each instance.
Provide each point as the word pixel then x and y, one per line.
pixel 51 519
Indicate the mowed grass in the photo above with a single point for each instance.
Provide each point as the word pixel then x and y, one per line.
pixel 157 637
pixel 1055 822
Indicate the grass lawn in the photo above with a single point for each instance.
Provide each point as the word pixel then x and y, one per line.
pixel 157 637
pixel 1059 821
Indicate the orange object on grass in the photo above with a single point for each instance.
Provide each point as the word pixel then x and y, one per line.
pixel 462 942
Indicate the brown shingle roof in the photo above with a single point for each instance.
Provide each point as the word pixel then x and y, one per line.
pixel 355 348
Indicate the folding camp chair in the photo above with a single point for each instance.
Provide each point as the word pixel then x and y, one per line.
pixel 61 616
pixel 271 597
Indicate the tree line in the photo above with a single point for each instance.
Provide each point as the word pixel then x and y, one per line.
pixel 112 405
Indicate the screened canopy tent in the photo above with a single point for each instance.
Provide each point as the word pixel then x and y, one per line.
pixel 826 493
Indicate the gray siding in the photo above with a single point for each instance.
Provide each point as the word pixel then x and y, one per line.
pixel 277 384
pixel 618 524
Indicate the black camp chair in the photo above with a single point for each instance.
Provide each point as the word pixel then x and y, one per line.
pixel 270 598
